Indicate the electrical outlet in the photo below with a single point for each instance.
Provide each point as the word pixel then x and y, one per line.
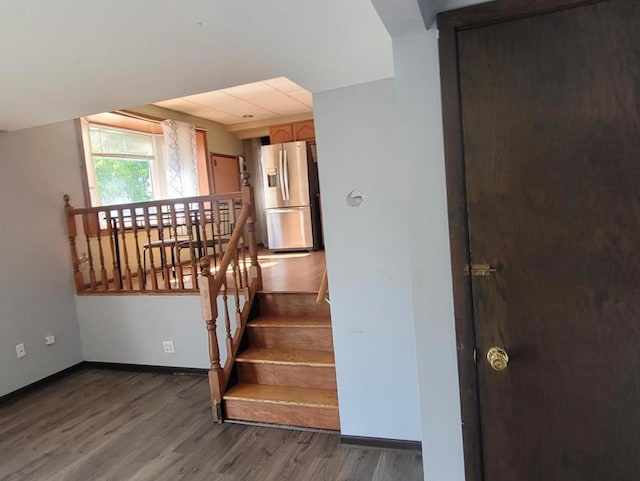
pixel 168 347
pixel 50 340
pixel 20 350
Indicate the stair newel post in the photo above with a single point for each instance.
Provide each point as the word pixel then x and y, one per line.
pixel 249 198
pixel 72 232
pixel 210 314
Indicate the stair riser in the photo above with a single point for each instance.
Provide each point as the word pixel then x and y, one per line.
pixel 286 375
pixel 305 338
pixel 297 304
pixel 304 416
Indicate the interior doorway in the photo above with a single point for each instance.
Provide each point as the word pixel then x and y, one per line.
pixel 225 173
pixel 542 134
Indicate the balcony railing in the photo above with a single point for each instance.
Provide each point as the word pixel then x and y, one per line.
pixel 156 247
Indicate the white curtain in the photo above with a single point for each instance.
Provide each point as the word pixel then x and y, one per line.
pixel 181 163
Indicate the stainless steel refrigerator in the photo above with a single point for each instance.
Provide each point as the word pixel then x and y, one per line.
pixel 291 196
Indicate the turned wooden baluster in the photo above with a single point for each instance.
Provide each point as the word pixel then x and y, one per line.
pixel 114 270
pixel 103 269
pixel 192 252
pixel 248 198
pixel 78 279
pixel 203 229
pixel 217 226
pixel 235 271
pixel 163 250
pixel 92 272
pixel 139 270
pixel 243 249
pixel 209 306
pixel 227 319
pixel 177 268
pixel 152 265
pixel 125 251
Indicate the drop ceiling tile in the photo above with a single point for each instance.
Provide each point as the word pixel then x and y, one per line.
pixel 209 99
pixel 215 115
pixel 278 102
pixel 303 96
pixel 283 84
pixel 249 90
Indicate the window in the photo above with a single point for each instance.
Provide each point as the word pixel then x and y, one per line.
pixel 122 165
pixel 127 160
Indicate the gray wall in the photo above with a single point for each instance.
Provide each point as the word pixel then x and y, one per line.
pixel 419 126
pixel 130 329
pixel 368 261
pixel 37 166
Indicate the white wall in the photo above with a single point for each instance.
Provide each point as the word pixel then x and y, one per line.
pixel 368 261
pixel 130 329
pixel 420 140
pixel 37 166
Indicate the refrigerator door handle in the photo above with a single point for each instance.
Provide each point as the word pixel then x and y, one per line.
pixel 286 175
pixel 281 174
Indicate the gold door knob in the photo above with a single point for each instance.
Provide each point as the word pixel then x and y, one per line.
pixel 498 358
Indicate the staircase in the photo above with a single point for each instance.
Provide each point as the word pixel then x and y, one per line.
pixel 285 373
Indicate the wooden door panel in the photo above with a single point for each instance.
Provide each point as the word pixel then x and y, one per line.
pixel 551 140
pixel 226 173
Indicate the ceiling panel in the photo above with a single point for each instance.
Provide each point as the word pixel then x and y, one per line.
pixel 268 99
pixel 303 96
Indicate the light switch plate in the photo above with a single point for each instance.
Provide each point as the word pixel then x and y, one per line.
pixel 20 350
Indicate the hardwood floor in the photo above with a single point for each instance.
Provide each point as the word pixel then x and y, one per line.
pixel 291 271
pixel 281 272
pixel 107 425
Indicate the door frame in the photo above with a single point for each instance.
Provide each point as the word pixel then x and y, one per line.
pixel 449 24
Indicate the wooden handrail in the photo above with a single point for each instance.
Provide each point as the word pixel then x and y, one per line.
pixel 215 285
pixel 157 203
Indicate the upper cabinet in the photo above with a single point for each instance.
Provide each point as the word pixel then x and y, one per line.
pixel 304 130
pixel 281 133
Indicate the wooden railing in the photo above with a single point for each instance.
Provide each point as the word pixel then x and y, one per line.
pixel 215 306
pixel 155 247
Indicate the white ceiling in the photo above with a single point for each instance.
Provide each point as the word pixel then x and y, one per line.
pixel 67 58
pixel 269 99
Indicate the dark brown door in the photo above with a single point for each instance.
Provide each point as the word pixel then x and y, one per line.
pixel 551 134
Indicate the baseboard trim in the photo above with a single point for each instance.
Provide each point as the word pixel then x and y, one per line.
pixel 34 386
pixel 116 366
pixel 381 443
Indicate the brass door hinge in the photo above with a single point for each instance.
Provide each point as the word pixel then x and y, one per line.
pixel 481 270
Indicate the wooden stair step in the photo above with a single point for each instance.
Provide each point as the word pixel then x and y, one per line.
pixel 291 304
pixel 290 322
pixel 294 406
pixel 291 332
pixel 287 357
pixel 293 396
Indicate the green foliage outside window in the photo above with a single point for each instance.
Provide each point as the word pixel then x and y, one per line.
pixel 122 181
pixel 122 161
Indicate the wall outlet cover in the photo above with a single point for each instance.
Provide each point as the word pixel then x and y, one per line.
pixel 50 340
pixel 20 350
pixel 168 347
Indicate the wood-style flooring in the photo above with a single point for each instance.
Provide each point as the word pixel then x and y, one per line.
pixel 281 272
pixel 106 425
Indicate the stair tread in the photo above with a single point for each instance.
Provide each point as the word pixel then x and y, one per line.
pixel 287 356
pixel 290 321
pixel 298 396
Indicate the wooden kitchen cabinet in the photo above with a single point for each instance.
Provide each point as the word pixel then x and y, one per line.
pixel 281 133
pixel 304 130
